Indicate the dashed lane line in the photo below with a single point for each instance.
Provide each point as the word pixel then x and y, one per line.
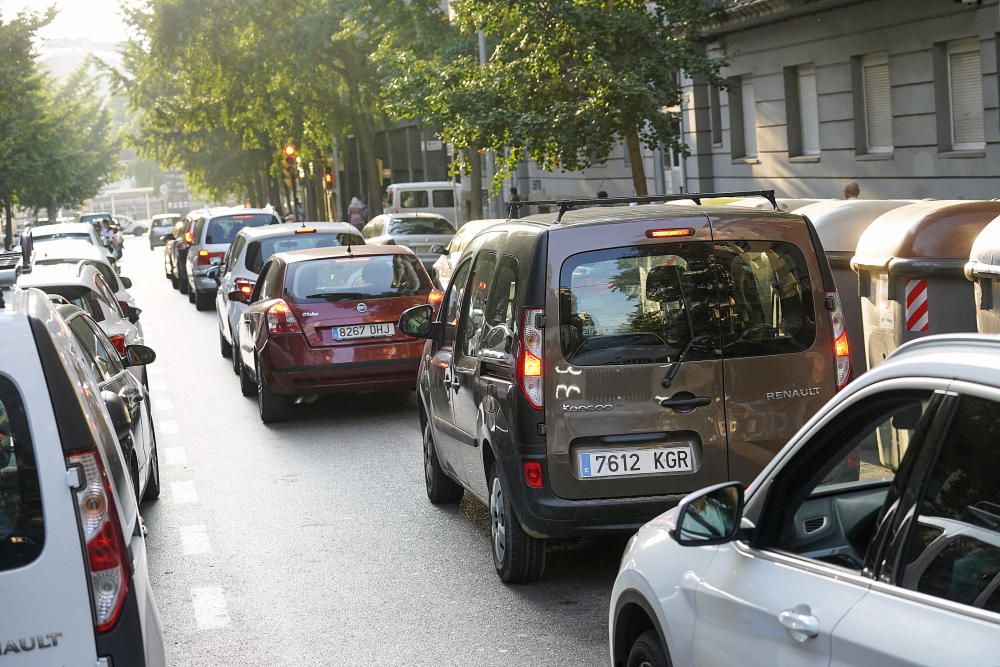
pixel 210 609
pixel 194 540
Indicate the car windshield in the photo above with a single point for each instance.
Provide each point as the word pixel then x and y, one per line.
pixel 410 226
pixel 61 236
pixel 258 252
pixel 369 276
pixel 223 229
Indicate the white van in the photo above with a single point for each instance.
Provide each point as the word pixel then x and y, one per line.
pixel 426 197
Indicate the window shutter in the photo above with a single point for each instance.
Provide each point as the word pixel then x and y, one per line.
pixel 749 118
pixel 809 110
pixel 966 79
pixel 878 106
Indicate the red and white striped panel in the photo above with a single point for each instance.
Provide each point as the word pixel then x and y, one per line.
pixel 917 315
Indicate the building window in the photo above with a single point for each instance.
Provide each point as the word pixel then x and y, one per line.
pixel 801 111
pixel 877 100
pixel 715 109
pixel 965 94
pixel 743 117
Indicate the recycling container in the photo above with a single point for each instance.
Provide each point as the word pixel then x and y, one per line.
pixel 983 270
pixel 840 223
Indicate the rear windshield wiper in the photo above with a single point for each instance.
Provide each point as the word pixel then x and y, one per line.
pixel 338 296
pixel 682 357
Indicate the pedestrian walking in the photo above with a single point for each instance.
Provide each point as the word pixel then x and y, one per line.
pixel 515 199
pixel 356 213
pixel 852 190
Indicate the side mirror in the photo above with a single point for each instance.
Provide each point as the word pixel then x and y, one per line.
pixel 439 249
pixel 215 273
pixel 238 296
pixel 710 516
pixel 133 314
pixel 139 355
pixel 126 282
pixel 121 418
pixel 418 322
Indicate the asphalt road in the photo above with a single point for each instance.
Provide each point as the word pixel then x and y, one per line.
pixel 312 542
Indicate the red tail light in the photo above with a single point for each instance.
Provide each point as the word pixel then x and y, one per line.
pixel 841 346
pixel 118 341
pixel 245 286
pixel 107 555
pixel 205 257
pixel 530 376
pixel 281 319
pixel 533 474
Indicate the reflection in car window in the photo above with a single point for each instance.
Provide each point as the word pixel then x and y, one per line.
pixel 359 277
pixel 961 507
pixel 22 529
pixel 500 307
pixel 95 355
pixel 260 251
pixel 407 226
pixel 475 313
pixel 452 306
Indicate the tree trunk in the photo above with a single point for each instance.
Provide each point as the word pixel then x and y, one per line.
pixel 475 184
pixel 53 212
pixel 638 168
pixel 8 228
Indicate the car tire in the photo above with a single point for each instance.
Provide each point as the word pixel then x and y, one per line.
pixel 247 386
pixel 204 301
pixel 647 652
pixel 272 408
pixel 190 293
pixel 225 348
pixel 237 360
pixel 517 556
pixel 441 489
pixel 153 485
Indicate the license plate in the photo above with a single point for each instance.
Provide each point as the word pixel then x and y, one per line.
pixel 382 330
pixel 644 461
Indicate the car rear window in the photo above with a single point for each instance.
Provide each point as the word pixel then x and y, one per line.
pixel 22 526
pixel 259 252
pixel 365 277
pixel 630 305
pixel 409 226
pixel 223 229
pixel 46 238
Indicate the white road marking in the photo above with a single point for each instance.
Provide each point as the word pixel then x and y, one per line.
pixel 175 456
pixel 168 427
pixel 157 386
pixel 183 492
pixel 194 540
pixel 210 608
pixel 161 404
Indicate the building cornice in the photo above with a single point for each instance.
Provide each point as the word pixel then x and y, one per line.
pixel 739 15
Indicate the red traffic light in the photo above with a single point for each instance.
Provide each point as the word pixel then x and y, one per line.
pixel 291 150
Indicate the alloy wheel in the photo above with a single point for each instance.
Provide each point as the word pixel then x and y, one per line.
pixel 498 525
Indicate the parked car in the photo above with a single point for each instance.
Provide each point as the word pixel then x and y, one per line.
pixel 129 225
pixel 72 552
pixel 94 219
pixel 581 369
pixel 84 254
pixel 175 253
pixel 324 320
pixel 72 231
pixel 160 227
pixel 211 234
pixel 424 197
pixel 803 571
pixel 420 232
pixel 444 265
pixel 250 250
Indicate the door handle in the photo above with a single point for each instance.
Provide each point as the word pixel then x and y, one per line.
pixel 685 402
pixel 800 623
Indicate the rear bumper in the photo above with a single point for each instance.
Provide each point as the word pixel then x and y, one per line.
pixel 305 370
pixel 543 514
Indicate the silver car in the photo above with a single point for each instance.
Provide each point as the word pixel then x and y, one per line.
pixel 211 234
pixel 77 252
pixel 420 232
pixel 43 235
pixel 250 250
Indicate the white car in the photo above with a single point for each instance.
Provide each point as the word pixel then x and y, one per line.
pixel 872 538
pixel 75 252
pixel 43 235
pixel 444 265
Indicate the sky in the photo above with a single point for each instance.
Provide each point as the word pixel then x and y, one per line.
pixel 96 20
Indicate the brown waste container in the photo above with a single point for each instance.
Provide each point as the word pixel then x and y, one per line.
pixel 983 270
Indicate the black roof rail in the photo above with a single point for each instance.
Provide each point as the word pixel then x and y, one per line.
pixel 568 204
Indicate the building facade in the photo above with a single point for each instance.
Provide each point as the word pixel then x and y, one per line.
pixel 898 95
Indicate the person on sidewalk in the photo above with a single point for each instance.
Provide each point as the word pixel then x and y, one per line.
pixel 852 190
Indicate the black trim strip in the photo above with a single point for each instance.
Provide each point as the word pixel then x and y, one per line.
pixel 381 363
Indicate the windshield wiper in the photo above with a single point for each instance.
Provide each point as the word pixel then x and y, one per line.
pixel 338 296
pixel 676 366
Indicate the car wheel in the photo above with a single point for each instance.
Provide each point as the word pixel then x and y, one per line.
pixel 190 293
pixel 237 360
pixel 153 485
pixel 225 349
pixel 272 408
pixel 441 489
pixel 247 386
pixel 647 652
pixel 204 301
pixel 517 556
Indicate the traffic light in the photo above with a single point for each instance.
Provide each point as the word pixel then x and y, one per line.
pixel 328 178
pixel 291 153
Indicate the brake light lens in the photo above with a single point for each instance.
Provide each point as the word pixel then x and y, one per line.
pixel 188 237
pixel 244 286
pixel 533 474
pixel 205 257
pixel 668 233
pixel 529 364
pixel 841 346
pixel 107 556
pixel 435 297
pixel 281 319
pixel 118 340
pixel 305 230
pixel 123 307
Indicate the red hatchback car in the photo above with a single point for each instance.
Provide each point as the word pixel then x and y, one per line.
pixel 324 320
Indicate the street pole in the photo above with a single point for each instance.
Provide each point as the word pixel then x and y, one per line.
pixel 493 203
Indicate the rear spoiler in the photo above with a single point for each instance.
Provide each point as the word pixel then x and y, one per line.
pixel 568 204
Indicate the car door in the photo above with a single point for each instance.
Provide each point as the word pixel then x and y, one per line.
pixel 937 597
pixel 253 319
pixel 441 376
pixel 776 599
pixel 226 283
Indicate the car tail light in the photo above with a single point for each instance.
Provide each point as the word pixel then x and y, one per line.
pixel 841 346
pixel 244 286
pixel 529 362
pixel 118 340
pixel 107 556
pixel 305 230
pixel 533 474
pixel 435 297
pixel 669 233
pixel 205 257
pixel 188 237
pixel 281 319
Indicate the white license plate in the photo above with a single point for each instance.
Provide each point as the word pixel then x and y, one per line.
pixel 381 330
pixel 644 461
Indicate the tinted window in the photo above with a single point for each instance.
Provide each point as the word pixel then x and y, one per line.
pixel 260 251
pixel 413 199
pixel 475 312
pixel 370 276
pixel 270 286
pixel 443 198
pixel 223 229
pixel 500 307
pixel 107 294
pixel 961 512
pixel 22 529
pixel 106 272
pixel 95 354
pixel 632 304
pixel 234 251
pixel 451 308
pixel 407 226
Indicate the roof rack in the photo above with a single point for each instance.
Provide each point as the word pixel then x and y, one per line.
pixel 568 204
